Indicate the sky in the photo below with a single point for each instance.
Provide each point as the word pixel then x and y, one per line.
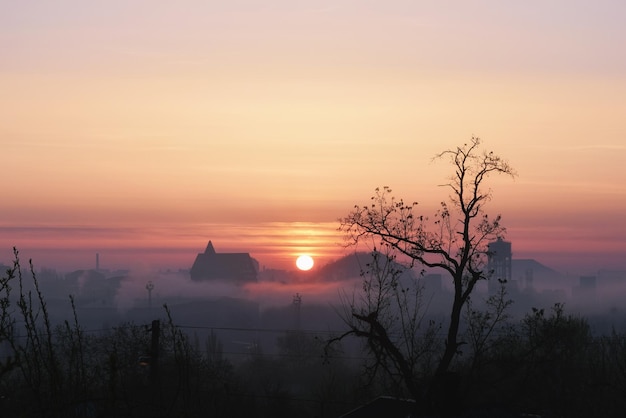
pixel 139 130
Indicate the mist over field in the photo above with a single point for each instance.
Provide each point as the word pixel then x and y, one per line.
pixel 123 295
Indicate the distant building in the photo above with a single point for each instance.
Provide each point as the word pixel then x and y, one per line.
pixel 90 287
pixel 533 273
pixel 210 265
pixel 499 263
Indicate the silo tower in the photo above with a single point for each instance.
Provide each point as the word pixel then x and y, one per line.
pixel 499 262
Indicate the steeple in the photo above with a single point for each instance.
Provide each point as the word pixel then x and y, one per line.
pixel 209 248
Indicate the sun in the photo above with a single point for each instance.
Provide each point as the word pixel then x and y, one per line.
pixel 304 262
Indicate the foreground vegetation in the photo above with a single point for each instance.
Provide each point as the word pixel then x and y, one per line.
pixel 549 364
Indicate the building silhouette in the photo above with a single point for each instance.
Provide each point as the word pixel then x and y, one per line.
pixel 237 267
pixel 499 263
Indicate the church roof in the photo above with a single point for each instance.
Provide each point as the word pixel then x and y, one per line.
pixel 212 265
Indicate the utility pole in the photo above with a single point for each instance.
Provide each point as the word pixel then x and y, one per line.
pixel 149 287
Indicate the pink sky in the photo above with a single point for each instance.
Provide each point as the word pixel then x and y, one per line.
pixel 140 130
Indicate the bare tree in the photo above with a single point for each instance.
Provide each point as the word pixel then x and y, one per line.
pixel 454 241
pixel 389 314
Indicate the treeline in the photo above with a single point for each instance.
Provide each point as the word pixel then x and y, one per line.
pixel 548 364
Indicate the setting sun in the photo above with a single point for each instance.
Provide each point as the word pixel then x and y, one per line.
pixel 304 262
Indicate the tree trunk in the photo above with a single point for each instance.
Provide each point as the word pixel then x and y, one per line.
pixel 451 341
pixel 443 394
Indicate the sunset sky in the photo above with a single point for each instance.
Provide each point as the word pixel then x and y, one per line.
pixel 139 130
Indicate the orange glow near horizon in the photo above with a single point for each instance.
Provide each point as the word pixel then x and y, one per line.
pixel 272 244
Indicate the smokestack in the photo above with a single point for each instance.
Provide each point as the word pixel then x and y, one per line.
pixel 97 262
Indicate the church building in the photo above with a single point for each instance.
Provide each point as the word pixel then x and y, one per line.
pixel 232 267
